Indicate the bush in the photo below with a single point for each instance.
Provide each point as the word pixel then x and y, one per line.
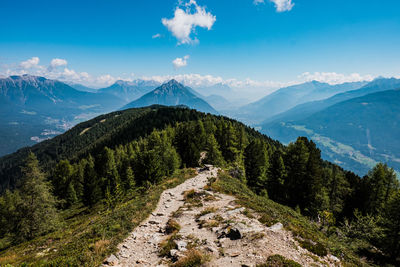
pixel 317 248
pixel 192 258
pixel 279 261
pixel 172 226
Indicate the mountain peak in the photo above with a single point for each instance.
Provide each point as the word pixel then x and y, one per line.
pixel 173 82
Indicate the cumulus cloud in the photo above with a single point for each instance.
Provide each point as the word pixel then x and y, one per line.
pixel 334 78
pixel 280 5
pixel 30 63
pixel 257 2
pixel 58 62
pixel 180 62
pixel 156 36
pixel 283 5
pixel 185 21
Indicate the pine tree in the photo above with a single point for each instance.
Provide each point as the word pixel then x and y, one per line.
pixel 256 165
pixel 391 223
pixel 71 197
pixel 91 186
pixel 130 180
pixel 382 184
pixel 109 170
pixel 62 176
pixel 214 155
pixel 278 175
pixel 37 212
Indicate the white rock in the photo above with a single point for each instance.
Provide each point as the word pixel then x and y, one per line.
pixel 276 227
pixel 112 260
pixel 181 245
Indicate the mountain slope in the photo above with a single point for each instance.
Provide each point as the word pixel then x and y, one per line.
pixel 302 111
pixel 129 91
pixel 172 94
pixel 356 133
pixel 35 108
pixel 288 97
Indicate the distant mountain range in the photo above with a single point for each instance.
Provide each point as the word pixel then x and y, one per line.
pixel 355 129
pixel 129 91
pixel 35 108
pixel 288 97
pixel 172 93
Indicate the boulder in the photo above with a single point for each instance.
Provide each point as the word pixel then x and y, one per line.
pixel 112 260
pixel 276 227
pixel 181 245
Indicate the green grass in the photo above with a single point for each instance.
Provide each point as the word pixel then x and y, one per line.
pixel 192 258
pixel 271 212
pixel 90 234
pixel 172 227
pixel 279 261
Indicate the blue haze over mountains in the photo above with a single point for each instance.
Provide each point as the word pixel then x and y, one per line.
pixel 355 124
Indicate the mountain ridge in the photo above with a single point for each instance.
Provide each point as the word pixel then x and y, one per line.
pixel 172 93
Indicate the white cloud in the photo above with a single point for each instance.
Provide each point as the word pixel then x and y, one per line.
pixel 334 78
pixel 257 2
pixel 280 5
pixel 58 62
pixel 106 79
pixel 30 63
pixel 155 36
pixel 180 62
pixel 184 22
pixel 283 5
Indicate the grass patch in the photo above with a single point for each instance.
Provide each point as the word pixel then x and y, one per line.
pixel 193 198
pixel 90 234
pixel 316 248
pixel 168 244
pixel 271 212
pixel 279 261
pixel 192 258
pixel 172 227
pixel 205 211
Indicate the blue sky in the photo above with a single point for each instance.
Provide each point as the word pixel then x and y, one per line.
pixel 272 42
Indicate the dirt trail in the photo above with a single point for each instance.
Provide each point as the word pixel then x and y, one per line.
pixel 211 223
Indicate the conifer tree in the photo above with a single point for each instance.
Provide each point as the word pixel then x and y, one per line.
pixel 391 223
pixel 71 197
pixel 382 184
pixel 91 186
pixel 37 212
pixel 214 155
pixel 62 176
pixel 277 177
pixel 256 165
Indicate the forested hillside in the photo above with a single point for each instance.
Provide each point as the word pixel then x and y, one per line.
pixel 108 159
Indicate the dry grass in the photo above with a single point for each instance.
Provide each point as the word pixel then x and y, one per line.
pixel 101 246
pixel 168 244
pixel 172 227
pixel 205 211
pixel 192 258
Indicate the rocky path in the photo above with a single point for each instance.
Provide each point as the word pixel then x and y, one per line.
pixel 212 224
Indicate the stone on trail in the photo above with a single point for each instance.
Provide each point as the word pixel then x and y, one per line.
pixel 112 260
pixel 276 227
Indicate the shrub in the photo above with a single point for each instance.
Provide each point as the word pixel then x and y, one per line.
pixel 172 226
pixel 317 248
pixel 192 258
pixel 279 261
pixel 168 244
